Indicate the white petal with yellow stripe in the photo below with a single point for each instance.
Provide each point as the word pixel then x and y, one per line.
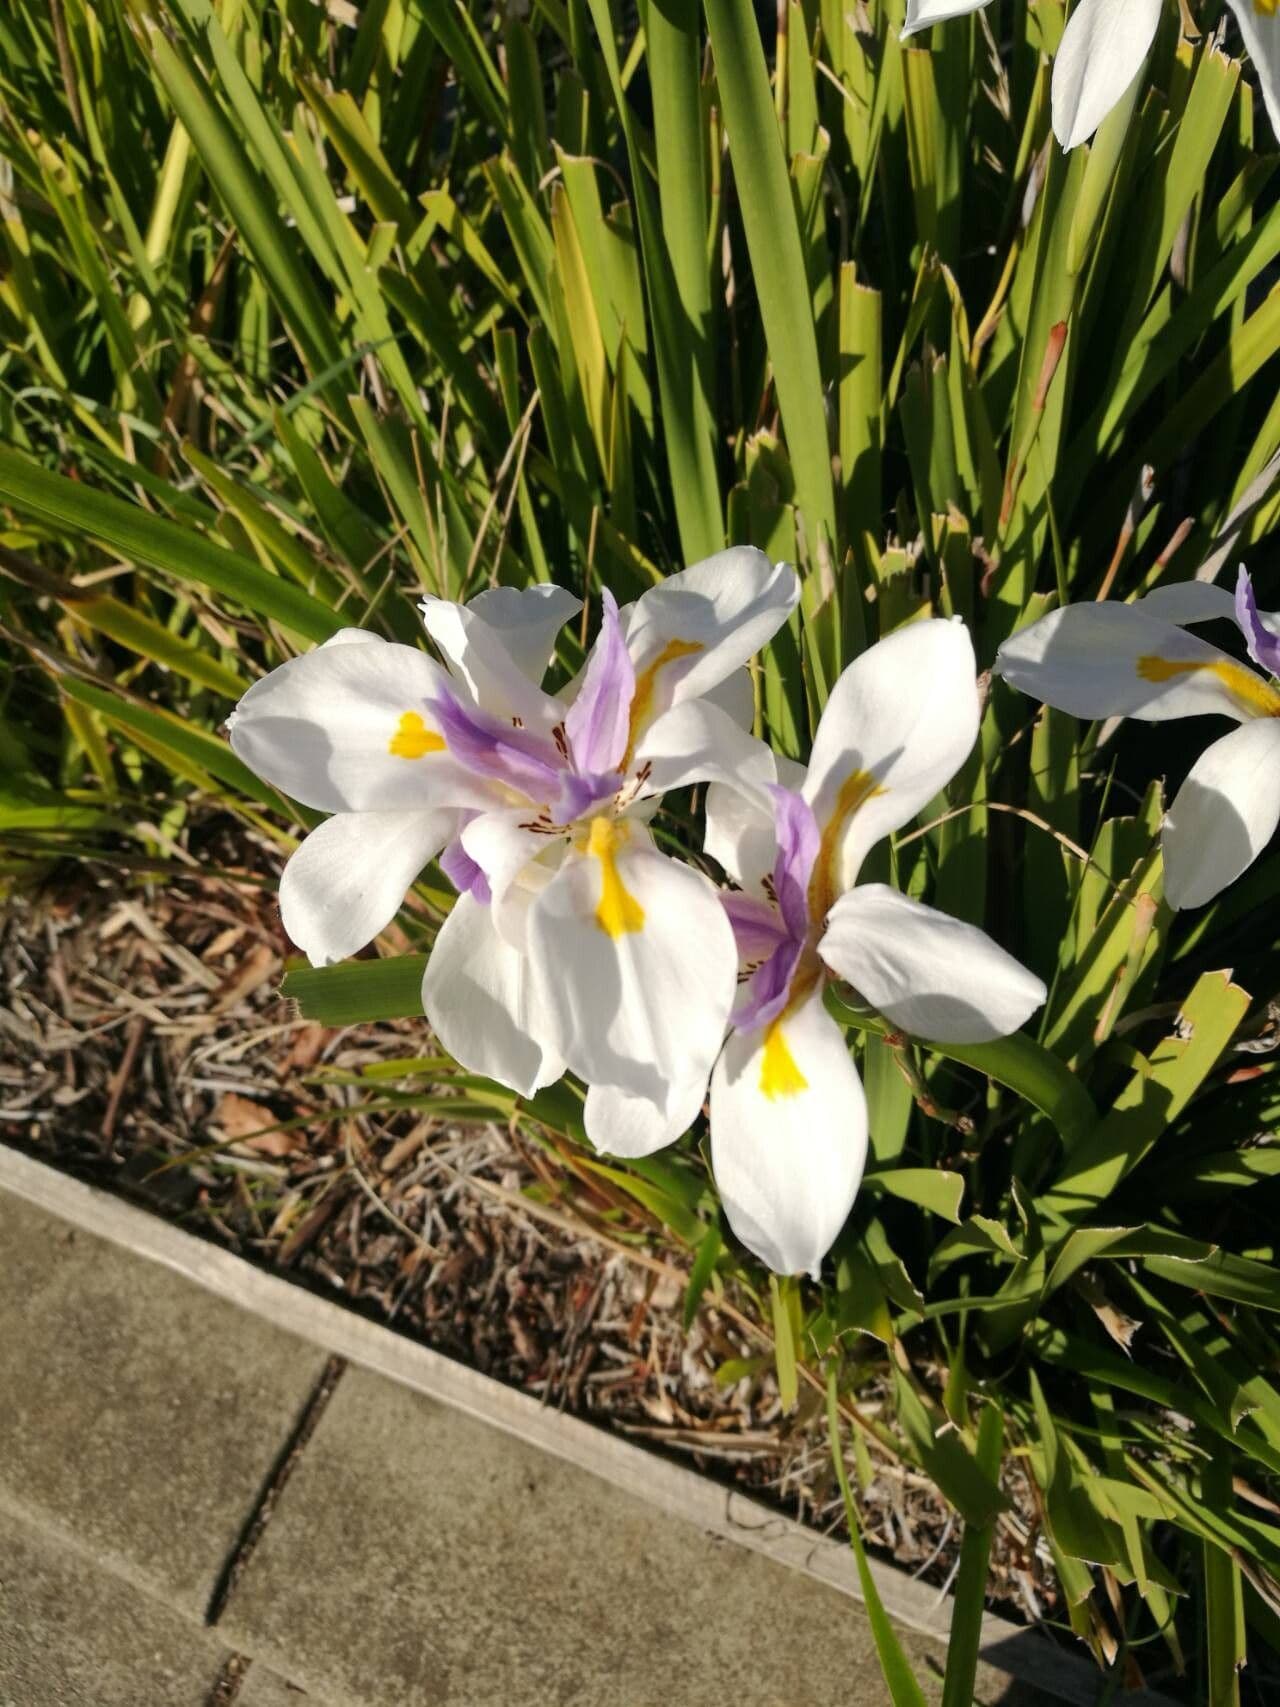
pixel 929 973
pixel 900 722
pixel 698 627
pixel 634 960
pixel 348 728
pixel 479 999
pixel 788 1136
pixel 1116 660
pixel 1225 813
pixel 347 880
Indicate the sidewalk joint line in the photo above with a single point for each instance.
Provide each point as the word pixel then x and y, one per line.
pixel 277 1477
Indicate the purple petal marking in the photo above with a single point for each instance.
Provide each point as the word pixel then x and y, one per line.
pixel 768 990
pixel 776 934
pixel 757 927
pixel 798 838
pixel 599 720
pixel 578 794
pixel 1264 647
pixel 498 750
pixel 463 872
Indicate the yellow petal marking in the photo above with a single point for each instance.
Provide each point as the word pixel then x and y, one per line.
pixel 1254 696
pixel 617 912
pixel 412 739
pixel 646 684
pixel 1266 8
pixel 779 1075
pixel 824 886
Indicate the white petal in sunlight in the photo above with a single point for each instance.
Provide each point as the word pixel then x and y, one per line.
pixel 1187 602
pixel 479 655
pixel 527 620
pixel 933 975
pixel 347 880
pixel 699 627
pixel 620 1124
pixel 922 13
pixel 502 845
pixel 517 863
pixel 478 998
pixel 739 827
pixel 1224 815
pixel 736 696
pixel 900 722
pixel 1259 22
pixel 1102 50
pixel 788 1137
pixel 697 742
pixel 348 728
pixel 1114 660
pixel 740 835
pixel 635 962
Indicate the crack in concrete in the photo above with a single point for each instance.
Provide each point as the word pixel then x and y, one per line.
pixel 277 1477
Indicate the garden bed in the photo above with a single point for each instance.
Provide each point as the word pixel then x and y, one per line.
pixel 144 1046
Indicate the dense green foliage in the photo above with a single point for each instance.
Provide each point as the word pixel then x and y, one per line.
pixel 305 308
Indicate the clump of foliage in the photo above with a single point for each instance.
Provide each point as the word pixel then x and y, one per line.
pixel 305 309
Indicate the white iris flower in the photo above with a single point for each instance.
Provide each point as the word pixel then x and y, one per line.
pixel 1120 660
pixel 574 941
pixel 788 1115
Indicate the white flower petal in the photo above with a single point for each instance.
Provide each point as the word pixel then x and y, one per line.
pixel 739 826
pixel 621 1124
pixel 479 656
pixel 1261 31
pixel 479 999
pixel 1114 660
pixel 527 620
pixel 348 728
pixel 788 1137
pixel 1187 602
pixel 512 857
pixel 1225 813
pixel 922 13
pixel 900 722
pixel 351 637
pixel 736 696
pixel 346 881
pixel 698 742
pixel 929 973
pixel 635 961
pixel 698 627
pixel 502 845
pixel 1102 50
pixel 740 835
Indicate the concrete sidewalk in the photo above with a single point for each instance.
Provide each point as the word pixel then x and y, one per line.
pixel 198 1507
